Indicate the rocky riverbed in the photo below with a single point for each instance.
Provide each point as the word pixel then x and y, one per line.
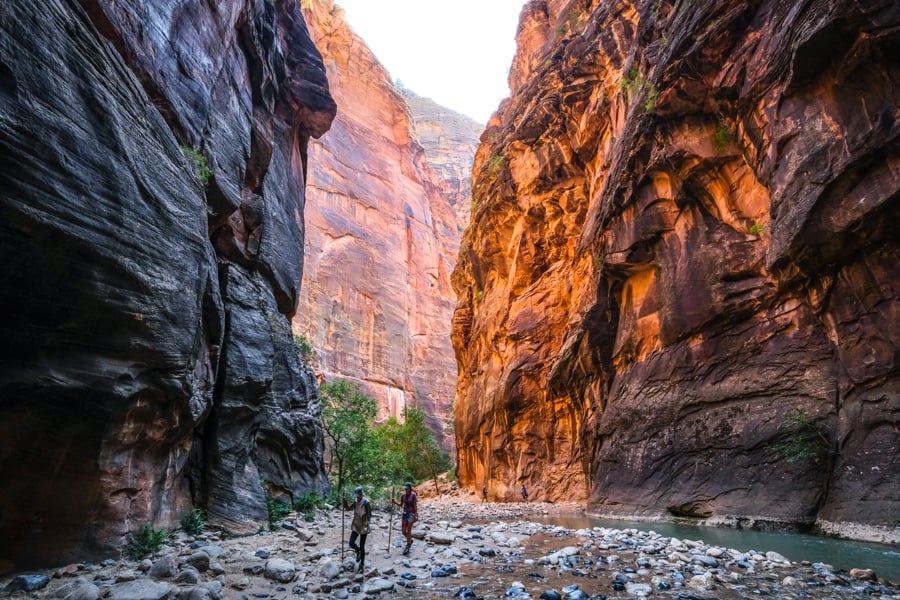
pixel 462 549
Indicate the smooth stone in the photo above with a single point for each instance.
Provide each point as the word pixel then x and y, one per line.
pixel 638 589
pixel 199 560
pixel 190 576
pixel 280 570
pixel 328 569
pixel 164 568
pixel 139 590
pixel 377 585
pixel 78 589
pixel 441 538
pixel 863 574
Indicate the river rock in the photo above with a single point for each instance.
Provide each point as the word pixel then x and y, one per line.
pixel 707 561
pixel 77 589
pixel 199 560
pixel 329 569
pixel 139 590
pixel 280 570
pixel 27 583
pixel 241 584
pixel 188 575
pixel 863 574
pixel 126 575
pixel 442 538
pixel 165 567
pixel 378 585
pixel 638 589
pixel 777 558
pixel 701 582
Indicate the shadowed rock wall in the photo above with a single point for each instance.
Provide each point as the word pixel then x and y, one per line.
pixel 383 229
pixel 147 364
pixel 685 231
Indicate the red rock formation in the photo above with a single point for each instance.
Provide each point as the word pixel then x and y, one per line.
pixel 381 239
pixel 450 141
pixel 685 231
pixel 147 365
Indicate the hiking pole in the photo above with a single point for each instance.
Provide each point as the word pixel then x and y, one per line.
pixel 390 521
pixel 343 502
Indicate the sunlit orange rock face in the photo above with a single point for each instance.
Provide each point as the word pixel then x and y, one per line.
pixel 685 231
pixel 381 239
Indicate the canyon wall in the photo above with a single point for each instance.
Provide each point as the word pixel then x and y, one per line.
pixel 679 289
pixel 152 167
pixel 383 229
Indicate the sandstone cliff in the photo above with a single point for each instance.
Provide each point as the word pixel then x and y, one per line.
pixel 450 141
pixel 382 235
pixel 685 231
pixel 147 363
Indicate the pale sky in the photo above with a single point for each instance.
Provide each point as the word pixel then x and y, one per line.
pixel 456 52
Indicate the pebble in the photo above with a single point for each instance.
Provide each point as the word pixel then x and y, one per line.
pixel 487 559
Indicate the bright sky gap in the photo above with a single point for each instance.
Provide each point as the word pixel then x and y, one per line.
pixel 456 52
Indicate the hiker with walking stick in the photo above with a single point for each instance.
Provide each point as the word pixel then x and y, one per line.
pixel 409 504
pixel 359 526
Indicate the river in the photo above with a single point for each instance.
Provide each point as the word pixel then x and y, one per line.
pixel 841 554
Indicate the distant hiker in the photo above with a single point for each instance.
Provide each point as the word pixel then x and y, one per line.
pixel 483 494
pixel 359 527
pixel 409 504
pixel 524 493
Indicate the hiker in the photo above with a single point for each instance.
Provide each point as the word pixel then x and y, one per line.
pixel 409 504
pixel 524 493
pixel 483 494
pixel 359 527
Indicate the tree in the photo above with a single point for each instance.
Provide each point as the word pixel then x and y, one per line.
pixel 361 453
pixel 423 457
pixel 348 419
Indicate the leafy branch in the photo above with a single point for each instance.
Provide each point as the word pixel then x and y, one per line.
pixel 805 439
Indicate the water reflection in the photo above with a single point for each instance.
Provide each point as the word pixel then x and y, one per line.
pixel 841 554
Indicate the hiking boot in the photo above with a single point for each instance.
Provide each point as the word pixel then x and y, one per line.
pixel 406 550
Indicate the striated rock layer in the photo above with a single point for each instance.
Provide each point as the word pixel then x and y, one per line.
pixel 450 141
pixel 147 364
pixel 383 234
pixel 685 232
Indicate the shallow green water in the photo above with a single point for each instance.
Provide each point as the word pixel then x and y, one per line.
pixel 841 554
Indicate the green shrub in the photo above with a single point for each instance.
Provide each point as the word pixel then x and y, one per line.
pixel 806 438
pixel 635 83
pixel 564 27
pixel 277 510
pixel 145 542
pixel 194 523
pixel 652 96
pixel 722 138
pixel 308 502
pixel 302 343
pixel 755 229
pixel 495 163
pixel 201 167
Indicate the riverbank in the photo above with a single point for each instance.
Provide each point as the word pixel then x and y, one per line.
pixel 462 548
